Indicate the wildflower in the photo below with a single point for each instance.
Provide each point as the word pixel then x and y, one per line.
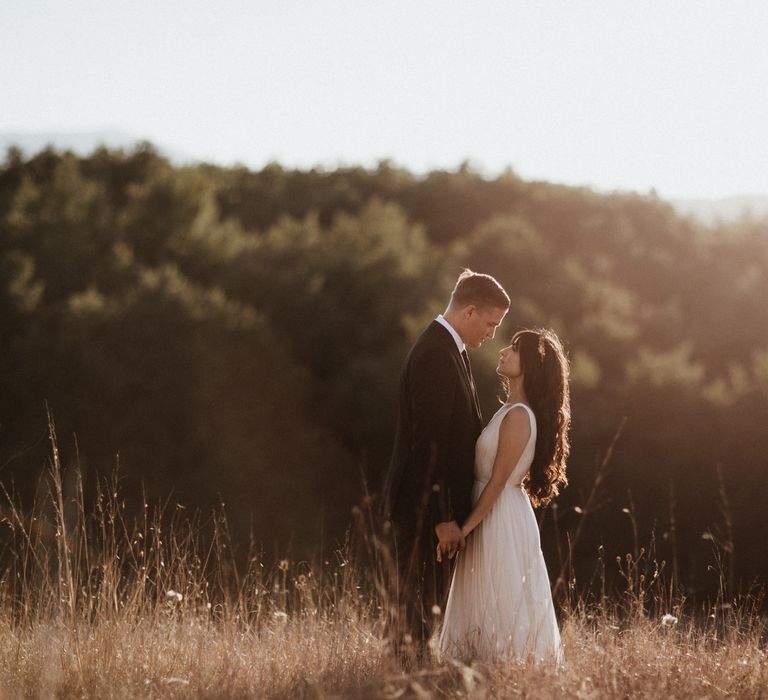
pixel 175 681
pixel 435 610
pixel 668 620
pixel 579 510
pixel 280 615
pixel 174 596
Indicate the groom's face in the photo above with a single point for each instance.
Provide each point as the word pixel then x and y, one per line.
pixel 481 324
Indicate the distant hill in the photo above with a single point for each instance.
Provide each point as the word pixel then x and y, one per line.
pixel 709 211
pixel 80 142
pixel 706 211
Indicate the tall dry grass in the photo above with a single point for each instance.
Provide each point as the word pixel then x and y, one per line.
pixel 96 604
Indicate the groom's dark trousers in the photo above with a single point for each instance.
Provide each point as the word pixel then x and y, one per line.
pixel 430 475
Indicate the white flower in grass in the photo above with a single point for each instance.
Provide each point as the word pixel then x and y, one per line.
pixel 175 681
pixel 668 620
pixel 436 610
pixel 174 596
pixel 280 615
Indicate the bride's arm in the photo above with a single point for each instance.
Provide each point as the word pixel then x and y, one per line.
pixel 514 431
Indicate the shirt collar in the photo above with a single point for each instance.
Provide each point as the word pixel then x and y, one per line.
pixel 456 337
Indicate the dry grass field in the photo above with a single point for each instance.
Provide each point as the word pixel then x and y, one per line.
pixel 183 653
pixel 95 605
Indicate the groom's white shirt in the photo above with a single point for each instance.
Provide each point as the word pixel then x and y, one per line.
pixel 456 337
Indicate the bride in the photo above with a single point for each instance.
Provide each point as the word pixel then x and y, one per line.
pixel 500 604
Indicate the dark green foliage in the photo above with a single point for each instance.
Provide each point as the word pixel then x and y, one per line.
pixel 236 335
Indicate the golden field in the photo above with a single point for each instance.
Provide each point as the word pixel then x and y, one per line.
pixel 99 605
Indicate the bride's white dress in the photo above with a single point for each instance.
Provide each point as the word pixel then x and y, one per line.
pixel 500 604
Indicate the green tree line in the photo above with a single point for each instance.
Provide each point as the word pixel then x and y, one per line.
pixel 231 335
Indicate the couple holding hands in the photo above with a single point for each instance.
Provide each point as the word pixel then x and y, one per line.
pixel 463 495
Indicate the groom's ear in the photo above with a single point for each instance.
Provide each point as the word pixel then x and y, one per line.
pixel 469 310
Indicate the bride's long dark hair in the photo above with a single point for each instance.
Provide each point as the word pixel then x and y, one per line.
pixel 545 370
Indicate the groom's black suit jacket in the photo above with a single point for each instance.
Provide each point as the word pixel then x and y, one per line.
pixel 431 471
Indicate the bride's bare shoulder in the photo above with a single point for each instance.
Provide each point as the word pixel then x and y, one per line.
pixel 515 423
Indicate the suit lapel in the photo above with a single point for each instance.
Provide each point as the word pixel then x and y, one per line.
pixel 460 366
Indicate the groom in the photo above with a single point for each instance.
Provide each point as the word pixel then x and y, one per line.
pixel 428 488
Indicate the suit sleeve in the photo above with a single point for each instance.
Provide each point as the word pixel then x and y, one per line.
pixel 433 389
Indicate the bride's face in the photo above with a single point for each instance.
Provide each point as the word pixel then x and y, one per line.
pixel 509 362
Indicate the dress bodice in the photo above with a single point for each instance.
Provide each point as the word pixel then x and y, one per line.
pixel 488 444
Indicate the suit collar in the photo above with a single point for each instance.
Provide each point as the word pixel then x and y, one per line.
pixel 440 331
pixel 445 337
pixel 456 337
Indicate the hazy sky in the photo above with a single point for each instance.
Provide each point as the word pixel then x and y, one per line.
pixel 613 94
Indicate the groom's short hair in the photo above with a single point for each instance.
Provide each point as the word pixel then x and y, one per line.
pixel 479 289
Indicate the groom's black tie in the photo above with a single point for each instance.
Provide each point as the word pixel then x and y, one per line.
pixel 465 357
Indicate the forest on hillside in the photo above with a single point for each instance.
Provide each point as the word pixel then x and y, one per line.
pixel 226 335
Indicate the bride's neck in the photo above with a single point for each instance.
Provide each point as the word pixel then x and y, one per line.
pixel 516 392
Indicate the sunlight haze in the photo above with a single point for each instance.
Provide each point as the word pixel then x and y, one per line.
pixel 624 95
